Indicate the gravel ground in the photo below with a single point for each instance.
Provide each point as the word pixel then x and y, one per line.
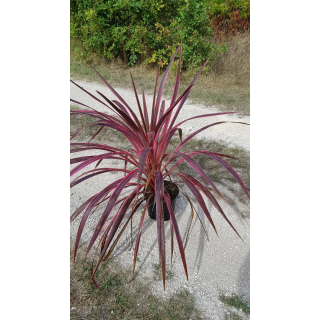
pixel 220 264
pixel 230 134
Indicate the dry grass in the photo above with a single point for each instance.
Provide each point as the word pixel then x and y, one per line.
pixel 121 299
pixel 226 86
pixel 233 67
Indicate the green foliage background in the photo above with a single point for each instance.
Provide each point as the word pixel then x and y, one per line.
pixel 146 30
pixel 225 7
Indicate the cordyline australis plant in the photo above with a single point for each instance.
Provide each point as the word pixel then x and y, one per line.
pixel 149 137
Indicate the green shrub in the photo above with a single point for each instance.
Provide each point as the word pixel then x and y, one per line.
pixel 229 17
pixel 226 7
pixel 143 31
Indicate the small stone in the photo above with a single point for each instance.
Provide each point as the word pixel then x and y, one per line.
pixel 73 308
pixel 111 311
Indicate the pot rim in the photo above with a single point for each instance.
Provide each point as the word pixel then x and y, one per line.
pixel 171 197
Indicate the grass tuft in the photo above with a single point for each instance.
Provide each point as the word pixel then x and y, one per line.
pixel 122 299
pixel 235 302
pixel 158 273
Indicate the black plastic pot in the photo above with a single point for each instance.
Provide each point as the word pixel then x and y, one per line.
pixel 173 191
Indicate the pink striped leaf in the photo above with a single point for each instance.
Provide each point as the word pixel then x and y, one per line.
pixel 110 206
pixel 136 248
pixel 162 83
pixel 96 172
pixel 177 232
pixel 159 192
pixel 89 208
pixel 224 164
pixel 212 199
pixel 145 111
pixel 142 161
pixel 199 198
pixel 195 166
pixel 117 220
pixel 204 116
pixel 186 96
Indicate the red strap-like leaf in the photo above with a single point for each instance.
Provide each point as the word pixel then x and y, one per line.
pixel 162 83
pixel 123 115
pixel 204 116
pixel 142 161
pixel 89 208
pixel 177 232
pixel 121 107
pixel 109 86
pixel 87 125
pixel 153 118
pixel 212 199
pixel 92 96
pixel 162 108
pixel 226 165
pixel 177 82
pixel 139 106
pixel 200 130
pixel 136 248
pixel 161 120
pixel 96 134
pixel 186 96
pixel 194 164
pixel 192 135
pixel 159 191
pixel 80 209
pixel 199 198
pixel 145 110
pixel 175 91
pixel 110 206
pixel 117 220
pixel 90 159
pixel 95 172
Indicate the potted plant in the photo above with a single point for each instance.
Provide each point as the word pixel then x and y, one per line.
pixel 150 181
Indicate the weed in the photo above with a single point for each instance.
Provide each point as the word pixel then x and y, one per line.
pixel 232 316
pixel 236 302
pixel 158 275
pixel 112 282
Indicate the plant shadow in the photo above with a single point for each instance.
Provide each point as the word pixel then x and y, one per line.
pixel 148 223
pixel 244 279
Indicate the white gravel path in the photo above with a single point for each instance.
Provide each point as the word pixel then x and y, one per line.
pixel 220 264
pixel 228 133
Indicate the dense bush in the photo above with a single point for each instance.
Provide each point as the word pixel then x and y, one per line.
pixel 229 17
pixel 225 7
pixel 144 31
